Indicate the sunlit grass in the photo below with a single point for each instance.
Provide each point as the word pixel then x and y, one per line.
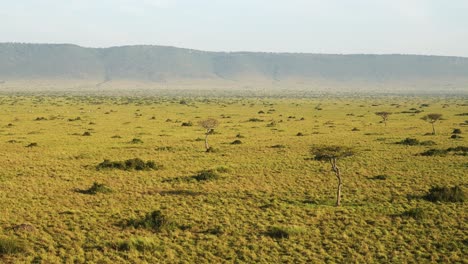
pixel 270 201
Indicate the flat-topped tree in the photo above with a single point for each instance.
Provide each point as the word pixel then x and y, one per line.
pixel 332 154
pixel 432 118
pixel 208 124
pixel 384 115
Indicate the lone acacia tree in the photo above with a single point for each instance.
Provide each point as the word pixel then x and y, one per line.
pixel 384 115
pixel 332 154
pixel 432 118
pixel 208 124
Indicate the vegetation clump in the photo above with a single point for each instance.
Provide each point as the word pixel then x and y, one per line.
pixel 187 124
pixel 416 142
pixel 460 150
pixel 31 145
pixel 206 175
pixel 130 164
pixel 155 221
pixel 11 246
pixel 283 232
pixel 97 188
pixel 415 213
pixel 236 142
pixel 136 141
pixel 445 194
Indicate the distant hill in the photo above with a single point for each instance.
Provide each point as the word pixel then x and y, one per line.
pixel 65 66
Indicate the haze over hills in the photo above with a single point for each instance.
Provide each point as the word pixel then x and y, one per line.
pixel 71 67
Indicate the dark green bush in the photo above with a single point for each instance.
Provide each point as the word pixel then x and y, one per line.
pixel 86 134
pixel 130 164
pixel 236 142
pixel 456 131
pixel 381 177
pixel 434 152
pixel 97 188
pixel 187 124
pixel 278 146
pixel 154 221
pixel 34 144
pixel 136 141
pixel 445 194
pixel 206 175
pixel 283 232
pixel 299 134
pixel 254 119
pixel 409 142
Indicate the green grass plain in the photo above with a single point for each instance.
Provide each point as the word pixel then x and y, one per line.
pixel 262 190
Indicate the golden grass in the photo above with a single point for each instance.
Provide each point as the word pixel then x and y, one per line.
pixel 260 187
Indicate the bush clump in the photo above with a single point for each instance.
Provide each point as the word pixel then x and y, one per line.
pixel 206 175
pixel 130 164
pixel 283 232
pixel 155 221
pixel 415 142
pixel 187 124
pixel 97 188
pixel 460 150
pixel 10 246
pixel 445 194
pixel 136 141
pixel 415 213
pixel 236 142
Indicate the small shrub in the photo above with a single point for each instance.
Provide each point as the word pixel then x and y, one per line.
pixel 456 131
pixel 206 175
pixel 34 144
pixel 299 134
pixel 355 129
pixel 11 246
pixel 409 142
pixel 434 152
pixel 136 141
pixel 254 119
pixel 86 134
pixel 154 221
pixel 97 188
pixel 278 146
pixel 381 177
pixel 445 194
pixel 239 135
pixel 187 124
pixel 455 136
pixel 236 142
pixel 130 164
pixel 283 232
pixel 416 213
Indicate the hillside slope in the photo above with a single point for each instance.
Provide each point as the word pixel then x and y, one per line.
pixel 55 64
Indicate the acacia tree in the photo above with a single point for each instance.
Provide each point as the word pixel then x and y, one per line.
pixel 208 124
pixel 384 115
pixel 332 154
pixel 432 118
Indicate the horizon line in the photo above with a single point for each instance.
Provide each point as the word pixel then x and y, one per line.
pixel 240 51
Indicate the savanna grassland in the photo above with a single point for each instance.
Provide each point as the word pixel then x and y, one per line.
pixel 260 199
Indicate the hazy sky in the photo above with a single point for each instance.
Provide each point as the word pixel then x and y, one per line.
pixel 438 27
